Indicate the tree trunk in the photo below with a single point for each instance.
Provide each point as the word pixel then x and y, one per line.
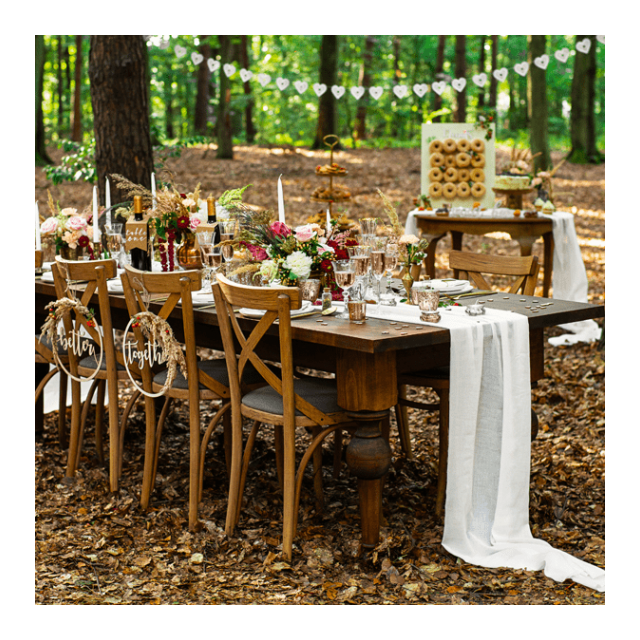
pixel 225 138
pixel 461 72
pixel 249 126
pixel 76 132
pixel 437 100
pixel 120 102
pixel 168 102
pixel 364 80
pixel 481 65
pixel 328 75
pixel 61 89
pixel 583 130
pixel 42 157
pixel 202 96
pixel 537 104
pixel 493 86
pixel 395 122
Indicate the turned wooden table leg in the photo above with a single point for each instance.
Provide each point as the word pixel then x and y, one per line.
pixel 369 458
pixel 456 245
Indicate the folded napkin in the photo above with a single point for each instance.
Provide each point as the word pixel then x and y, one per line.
pixel 487 502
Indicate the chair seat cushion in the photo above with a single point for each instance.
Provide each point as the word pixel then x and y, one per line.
pixel 91 362
pixel 217 369
pixel 321 393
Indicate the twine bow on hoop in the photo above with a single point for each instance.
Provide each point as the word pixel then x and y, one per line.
pixel 159 335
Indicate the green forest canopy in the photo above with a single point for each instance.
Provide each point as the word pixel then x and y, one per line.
pixel 289 117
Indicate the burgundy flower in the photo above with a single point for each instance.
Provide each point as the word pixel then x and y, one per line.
pixel 83 241
pixel 183 222
pixel 280 229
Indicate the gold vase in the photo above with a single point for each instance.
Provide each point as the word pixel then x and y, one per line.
pixel 67 253
pixel 188 254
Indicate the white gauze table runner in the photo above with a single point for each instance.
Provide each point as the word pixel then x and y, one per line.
pixel 569 277
pixel 487 500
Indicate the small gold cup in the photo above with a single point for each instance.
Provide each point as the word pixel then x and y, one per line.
pixel 428 301
pixel 357 310
pixel 310 290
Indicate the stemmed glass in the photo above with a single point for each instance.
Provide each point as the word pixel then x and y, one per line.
pixel 115 244
pixel 390 263
pixel 345 278
pixel 361 257
pixel 227 232
pixel 378 248
pixel 211 256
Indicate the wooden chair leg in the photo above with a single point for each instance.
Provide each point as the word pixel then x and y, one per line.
pixel 76 408
pixel 288 511
pixel 245 468
pixel 317 471
pixel 337 453
pixel 402 420
pixel 227 431
pixel 443 452
pixel 279 446
pixel 62 409
pixel 100 420
pixel 83 418
pixel 150 459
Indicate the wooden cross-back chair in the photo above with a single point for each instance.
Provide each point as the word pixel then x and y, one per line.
pixel 207 380
pixel 283 402
pixel 467 265
pixel 81 280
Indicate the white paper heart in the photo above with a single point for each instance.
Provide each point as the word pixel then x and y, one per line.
pixel 245 74
pixel 357 92
pixel 480 79
pixel 562 54
pixel 301 86
pixel 165 43
pixel 180 51
pixel 197 58
pixel 319 88
pixel 521 68
pixel 501 74
pixel 600 39
pixel 420 89
pixel 459 84
pixel 584 45
pixel 282 83
pixel 214 65
pixel 542 61
pixel 439 87
pixel 400 90
pixel 264 79
pixel 229 70
pixel 375 92
pixel 337 91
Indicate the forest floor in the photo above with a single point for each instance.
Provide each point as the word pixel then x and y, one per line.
pixel 93 547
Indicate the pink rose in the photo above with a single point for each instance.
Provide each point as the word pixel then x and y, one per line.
pixel 194 223
pixel 280 229
pixel 76 223
pixel 258 253
pixel 306 232
pixel 50 225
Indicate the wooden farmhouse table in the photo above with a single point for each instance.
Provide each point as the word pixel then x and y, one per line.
pixel 366 363
pixel 525 230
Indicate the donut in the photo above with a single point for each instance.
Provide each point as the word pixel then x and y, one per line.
pixel 451 175
pixel 435 190
pixel 477 175
pixel 435 175
pixel 463 159
pixel 463 145
pixel 478 160
pixel 435 147
pixel 464 175
pixel 449 146
pixel 449 190
pixel 437 160
pixel 450 161
pixel 478 190
pixel 463 190
pixel 477 145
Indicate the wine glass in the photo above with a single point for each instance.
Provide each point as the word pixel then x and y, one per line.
pixel 361 257
pixel 390 263
pixel 345 278
pixel 115 245
pixel 227 233
pixel 211 256
pixel 378 249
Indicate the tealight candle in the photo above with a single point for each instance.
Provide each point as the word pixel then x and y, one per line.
pixel 38 238
pixel 280 201
pixel 107 201
pixel 96 227
pixel 153 188
pixel 328 223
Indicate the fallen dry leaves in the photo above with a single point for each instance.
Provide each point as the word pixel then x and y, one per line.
pixel 93 547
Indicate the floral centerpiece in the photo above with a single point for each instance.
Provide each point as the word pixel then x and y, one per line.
pixel 69 230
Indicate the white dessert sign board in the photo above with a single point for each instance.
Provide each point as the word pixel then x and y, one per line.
pixel 458 164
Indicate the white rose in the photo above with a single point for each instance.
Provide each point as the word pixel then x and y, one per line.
pixel 299 264
pixel 269 269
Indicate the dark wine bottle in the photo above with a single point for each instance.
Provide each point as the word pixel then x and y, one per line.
pixel 140 258
pixel 212 220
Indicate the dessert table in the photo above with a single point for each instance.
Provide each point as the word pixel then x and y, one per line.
pixel 367 359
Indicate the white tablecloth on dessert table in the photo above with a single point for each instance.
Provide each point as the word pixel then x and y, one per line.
pixel 569 279
pixel 488 468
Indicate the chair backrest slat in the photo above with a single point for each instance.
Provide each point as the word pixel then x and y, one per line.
pixel 473 265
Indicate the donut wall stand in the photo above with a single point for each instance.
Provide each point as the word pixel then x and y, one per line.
pixel 458 165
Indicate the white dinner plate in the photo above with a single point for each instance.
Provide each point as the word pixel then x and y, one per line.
pixel 448 285
pixel 201 298
pixel 115 285
pixel 47 276
pixel 258 313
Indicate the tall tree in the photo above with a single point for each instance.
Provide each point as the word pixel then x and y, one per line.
pixel 493 86
pixel 437 99
pixel 224 133
pixel 249 126
pixel 202 95
pixel 481 65
pixel 327 120
pixel 461 72
pixel 537 103
pixel 42 157
pixel 364 80
pixel 120 102
pixel 583 93
pixel 61 89
pixel 76 131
